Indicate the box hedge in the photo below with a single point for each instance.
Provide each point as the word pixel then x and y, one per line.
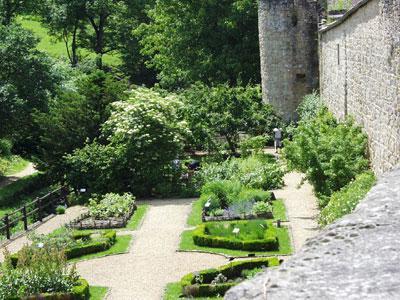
pixel 191 288
pixel 268 243
pixel 103 243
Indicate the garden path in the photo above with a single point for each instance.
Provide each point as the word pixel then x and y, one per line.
pixel 152 261
pixel 29 170
pixel 45 228
pixel 301 208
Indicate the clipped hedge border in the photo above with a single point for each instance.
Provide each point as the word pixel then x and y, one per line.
pixel 79 292
pixel 104 243
pixel 233 270
pixel 268 243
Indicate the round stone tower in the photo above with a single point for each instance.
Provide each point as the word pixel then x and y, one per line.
pixel 288 32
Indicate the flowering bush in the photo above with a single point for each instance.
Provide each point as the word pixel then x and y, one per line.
pixel 110 206
pixel 39 270
pixel 143 136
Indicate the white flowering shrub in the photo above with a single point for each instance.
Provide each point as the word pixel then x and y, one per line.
pixel 143 136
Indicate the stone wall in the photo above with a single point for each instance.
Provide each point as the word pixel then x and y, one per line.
pixel 355 258
pixel 360 74
pixel 289 52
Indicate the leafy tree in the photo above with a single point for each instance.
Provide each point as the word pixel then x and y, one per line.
pixel 210 41
pixel 26 81
pixel 10 8
pixel 75 117
pixel 225 111
pixel 143 136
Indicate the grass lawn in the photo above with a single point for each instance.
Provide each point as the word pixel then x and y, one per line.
pixel 56 48
pixel 15 164
pixel 137 217
pixel 194 218
pixel 173 291
pixel 279 210
pixel 282 233
pixel 97 292
pixel 121 246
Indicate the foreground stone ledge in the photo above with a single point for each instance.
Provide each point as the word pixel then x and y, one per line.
pixel 357 257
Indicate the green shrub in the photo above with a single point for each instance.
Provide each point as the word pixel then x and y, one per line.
pixel 199 284
pixel 329 152
pixel 221 193
pixel 309 107
pixel 251 237
pixel 5 147
pixel 143 136
pixel 261 208
pixel 39 271
pixel 253 145
pixel 344 201
pixel 110 206
pixel 254 195
pixel 60 210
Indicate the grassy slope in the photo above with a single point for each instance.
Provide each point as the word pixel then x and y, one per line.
pixel 57 48
pixel 15 164
pixel 97 292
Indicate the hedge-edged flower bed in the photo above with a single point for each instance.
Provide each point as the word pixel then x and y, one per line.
pixel 82 243
pixel 213 282
pixel 253 235
pixel 41 273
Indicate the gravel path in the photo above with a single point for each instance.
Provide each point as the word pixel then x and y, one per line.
pixel 45 228
pixel 152 261
pixel 29 170
pixel 301 208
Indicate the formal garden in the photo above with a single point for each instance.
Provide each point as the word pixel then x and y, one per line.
pixel 132 129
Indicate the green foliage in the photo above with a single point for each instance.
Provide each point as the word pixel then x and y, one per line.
pixel 137 217
pixel 75 117
pixel 345 200
pixel 144 135
pixel 97 292
pixel 329 152
pixel 60 210
pixel 226 47
pixel 5 147
pixel 220 194
pixel 225 111
pixel 260 208
pixel 249 274
pixel 110 206
pixel 253 145
pixel 258 172
pixel 39 270
pixel 309 107
pixel 9 9
pixel 254 235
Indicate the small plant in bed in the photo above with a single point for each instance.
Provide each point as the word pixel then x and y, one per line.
pixel 110 206
pixel 253 235
pixel 41 273
pixel 215 282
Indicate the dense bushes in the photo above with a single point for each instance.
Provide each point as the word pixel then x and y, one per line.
pixel 251 237
pixel 144 135
pixel 224 111
pixel 329 152
pixel 40 270
pixel 344 201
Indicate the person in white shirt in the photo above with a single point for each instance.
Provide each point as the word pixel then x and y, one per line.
pixel 277 138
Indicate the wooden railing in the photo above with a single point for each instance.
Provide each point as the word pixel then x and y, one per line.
pixel 37 209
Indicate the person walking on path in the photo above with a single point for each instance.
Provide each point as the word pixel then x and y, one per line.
pixel 277 138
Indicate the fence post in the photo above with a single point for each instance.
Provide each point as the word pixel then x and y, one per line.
pixel 25 217
pixel 7 223
pixel 40 209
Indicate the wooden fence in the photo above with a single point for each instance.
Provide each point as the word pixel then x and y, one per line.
pixel 37 209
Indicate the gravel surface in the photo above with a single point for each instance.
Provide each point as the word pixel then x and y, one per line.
pixel 45 228
pixel 301 208
pixel 152 261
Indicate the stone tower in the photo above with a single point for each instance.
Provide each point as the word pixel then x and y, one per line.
pixel 288 32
